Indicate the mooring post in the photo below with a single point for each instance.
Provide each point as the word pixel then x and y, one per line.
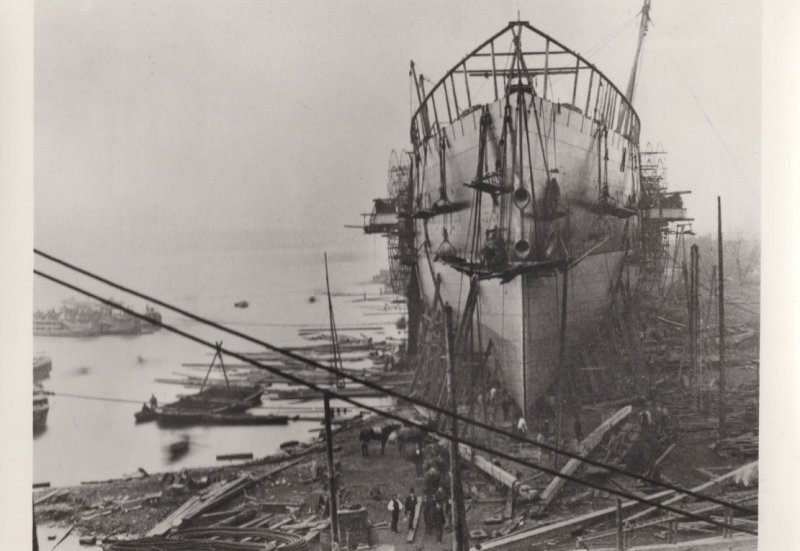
pixel 721 287
pixel 460 535
pixel 331 472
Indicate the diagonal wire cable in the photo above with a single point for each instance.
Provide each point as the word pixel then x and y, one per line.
pixel 394 416
pixel 391 392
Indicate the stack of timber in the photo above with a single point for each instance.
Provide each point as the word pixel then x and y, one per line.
pixel 213 497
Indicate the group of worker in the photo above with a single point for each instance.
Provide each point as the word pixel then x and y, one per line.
pixel 435 511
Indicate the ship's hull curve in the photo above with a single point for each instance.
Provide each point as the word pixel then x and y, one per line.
pixel 522 317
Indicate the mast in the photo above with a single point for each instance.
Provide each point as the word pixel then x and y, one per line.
pixel 637 57
pixel 337 355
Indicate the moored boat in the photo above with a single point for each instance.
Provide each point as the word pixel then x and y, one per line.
pixel 212 405
pixel 42 366
pixel 88 319
pixel 41 408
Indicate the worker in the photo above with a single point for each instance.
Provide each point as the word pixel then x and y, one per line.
pixel 442 498
pixel 411 507
pixel 438 520
pixel 427 513
pixel 395 507
pixel 153 401
pixel 663 420
pixel 578 429
pixel 505 405
pixel 364 436
pixel 419 458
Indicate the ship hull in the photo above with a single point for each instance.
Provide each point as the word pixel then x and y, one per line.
pixel 522 316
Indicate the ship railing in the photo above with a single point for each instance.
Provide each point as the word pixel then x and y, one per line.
pixel 559 75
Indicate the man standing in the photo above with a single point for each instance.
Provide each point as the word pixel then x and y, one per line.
pixel 395 507
pixel 418 458
pixel 427 513
pixel 411 507
pixel 578 430
pixel 438 520
pixel 364 437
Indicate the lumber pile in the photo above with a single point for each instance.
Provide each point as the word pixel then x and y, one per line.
pixel 213 496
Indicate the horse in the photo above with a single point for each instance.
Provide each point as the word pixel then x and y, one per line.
pixel 380 433
pixel 410 435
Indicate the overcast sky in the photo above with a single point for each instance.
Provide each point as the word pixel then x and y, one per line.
pixel 178 123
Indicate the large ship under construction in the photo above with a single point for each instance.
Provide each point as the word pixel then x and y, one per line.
pixel 521 202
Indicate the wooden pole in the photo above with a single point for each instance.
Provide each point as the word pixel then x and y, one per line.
pixel 331 472
pixel 562 347
pixel 721 287
pixel 694 318
pixel 698 365
pixel 620 531
pixel 689 279
pixel 460 534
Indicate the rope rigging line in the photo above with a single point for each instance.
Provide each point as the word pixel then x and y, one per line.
pixel 354 378
pixel 445 435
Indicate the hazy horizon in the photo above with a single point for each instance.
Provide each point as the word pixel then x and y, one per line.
pixel 163 125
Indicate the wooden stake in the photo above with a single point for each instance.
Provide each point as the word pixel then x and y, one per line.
pixel 460 534
pixel 620 531
pixel 721 401
pixel 331 472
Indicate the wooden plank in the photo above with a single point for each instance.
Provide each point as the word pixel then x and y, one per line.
pixel 508 511
pixel 234 456
pixel 664 455
pixel 743 542
pixel 700 488
pixel 47 496
pixel 502 476
pixel 585 448
pixel 524 539
pixel 413 532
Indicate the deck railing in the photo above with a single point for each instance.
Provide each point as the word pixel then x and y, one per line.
pixel 558 75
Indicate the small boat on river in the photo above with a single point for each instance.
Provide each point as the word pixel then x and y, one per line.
pixel 41 407
pixel 178 448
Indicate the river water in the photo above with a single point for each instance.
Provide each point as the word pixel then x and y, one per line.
pixel 88 439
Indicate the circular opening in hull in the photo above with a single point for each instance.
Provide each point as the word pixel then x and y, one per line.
pixel 521 197
pixel 522 248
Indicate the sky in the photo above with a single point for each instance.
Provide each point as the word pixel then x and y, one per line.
pixel 214 123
